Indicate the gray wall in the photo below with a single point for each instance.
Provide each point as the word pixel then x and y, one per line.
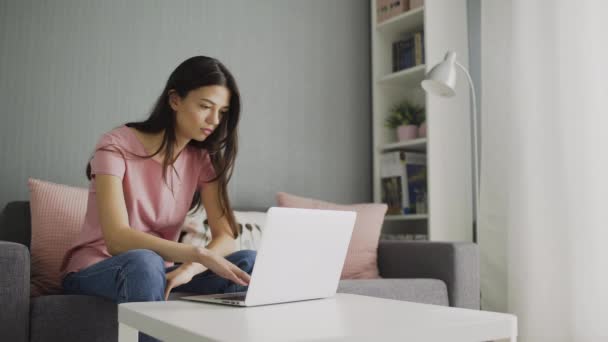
pixel 72 69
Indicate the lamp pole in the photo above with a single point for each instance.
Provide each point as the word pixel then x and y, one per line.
pixel 476 161
pixel 441 80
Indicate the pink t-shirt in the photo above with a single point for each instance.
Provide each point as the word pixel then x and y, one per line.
pixel 151 206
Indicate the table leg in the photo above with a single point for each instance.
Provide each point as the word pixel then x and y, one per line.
pixel 127 333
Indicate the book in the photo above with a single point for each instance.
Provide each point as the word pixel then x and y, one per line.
pixel 403 182
pixel 418 47
pixel 414 187
pixel 407 58
pixel 408 51
pixel 392 180
pixel 395 56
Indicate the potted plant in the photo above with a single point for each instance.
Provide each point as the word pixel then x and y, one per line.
pixel 405 117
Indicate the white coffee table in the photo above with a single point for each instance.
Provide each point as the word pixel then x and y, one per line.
pixel 345 317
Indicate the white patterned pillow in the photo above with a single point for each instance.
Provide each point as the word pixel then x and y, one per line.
pixel 195 230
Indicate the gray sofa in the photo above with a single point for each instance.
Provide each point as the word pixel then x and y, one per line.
pixel 428 272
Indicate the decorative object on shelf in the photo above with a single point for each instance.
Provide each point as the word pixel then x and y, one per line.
pixel 416 4
pixel 396 7
pixel 381 10
pixel 441 80
pixel 405 117
pixel 386 9
pixel 422 130
pixel 407 132
pixel 422 123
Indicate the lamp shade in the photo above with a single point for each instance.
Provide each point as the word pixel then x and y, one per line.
pixel 441 79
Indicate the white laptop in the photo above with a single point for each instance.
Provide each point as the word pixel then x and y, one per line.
pixel 300 257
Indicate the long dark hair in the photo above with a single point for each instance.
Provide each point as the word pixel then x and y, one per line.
pixel 222 144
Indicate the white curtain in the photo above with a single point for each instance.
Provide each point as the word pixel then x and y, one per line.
pixel 543 229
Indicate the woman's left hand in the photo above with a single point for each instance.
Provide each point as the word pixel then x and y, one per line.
pixel 177 277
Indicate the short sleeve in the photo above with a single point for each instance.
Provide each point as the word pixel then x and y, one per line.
pixel 108 158
pixel 207 171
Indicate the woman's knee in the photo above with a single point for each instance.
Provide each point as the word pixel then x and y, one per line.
pixel 244 259
pixel 144 259
pixel 143 276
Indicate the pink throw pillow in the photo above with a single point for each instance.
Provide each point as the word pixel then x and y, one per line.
pixel 362 257
pixel 58 213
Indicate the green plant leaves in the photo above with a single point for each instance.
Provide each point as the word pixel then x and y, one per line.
pixel 405 113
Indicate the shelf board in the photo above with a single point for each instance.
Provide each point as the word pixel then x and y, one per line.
pixel 410 145
pixel 410 77
pixel 406 217
pixel 404 22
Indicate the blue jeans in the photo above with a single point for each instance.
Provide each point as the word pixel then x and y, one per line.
pixel 139 276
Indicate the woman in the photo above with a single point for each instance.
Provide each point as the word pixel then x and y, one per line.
pixel 145 177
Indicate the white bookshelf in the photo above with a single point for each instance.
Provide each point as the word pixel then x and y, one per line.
pixel 416 145
pixel 447 145
pixel 404 78
pixel 411 217
pixel 407 21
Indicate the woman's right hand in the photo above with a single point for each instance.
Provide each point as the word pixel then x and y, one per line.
pixel 222 267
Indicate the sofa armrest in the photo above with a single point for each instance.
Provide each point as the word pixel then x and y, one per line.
pixel 456 263
pixel 14 291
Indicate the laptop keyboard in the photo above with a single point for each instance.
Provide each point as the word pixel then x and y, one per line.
pixel 236 297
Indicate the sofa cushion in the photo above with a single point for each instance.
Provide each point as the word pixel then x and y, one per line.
pixel 361 258
pixel 427 291
pixel 196 230
pixel 57 213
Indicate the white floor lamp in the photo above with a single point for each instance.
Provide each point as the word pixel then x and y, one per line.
pixel 441 80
